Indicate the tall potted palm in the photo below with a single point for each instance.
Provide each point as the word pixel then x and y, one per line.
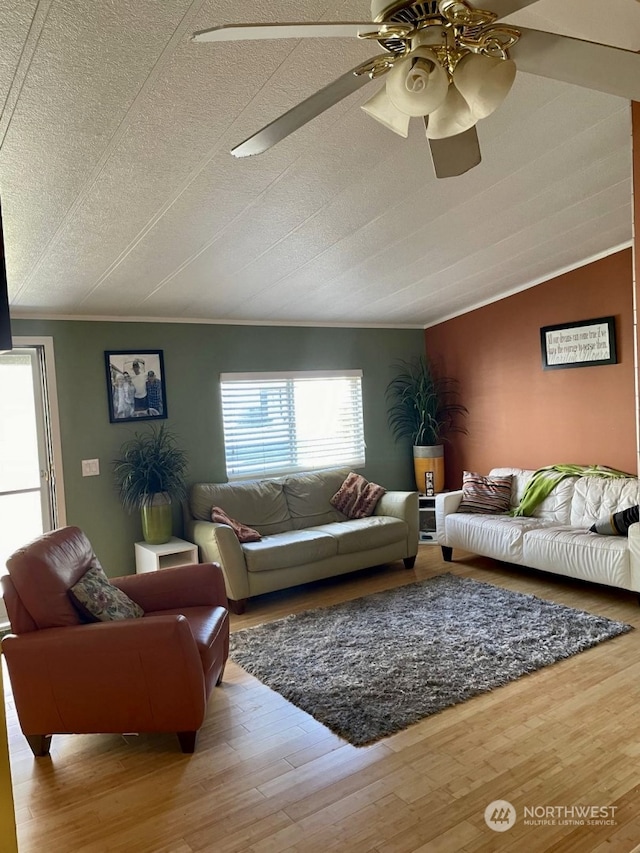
pixel 424 408
pixel 149 474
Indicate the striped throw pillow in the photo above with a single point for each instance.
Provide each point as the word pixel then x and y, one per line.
pixel 489 495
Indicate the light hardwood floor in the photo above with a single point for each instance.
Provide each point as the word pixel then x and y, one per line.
pixel 267 778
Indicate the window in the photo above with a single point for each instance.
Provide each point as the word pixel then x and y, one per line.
pixel 276 423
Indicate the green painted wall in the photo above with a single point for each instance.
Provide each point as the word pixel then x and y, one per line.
pixel 194 356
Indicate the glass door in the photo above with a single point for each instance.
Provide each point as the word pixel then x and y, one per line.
pixel 29 499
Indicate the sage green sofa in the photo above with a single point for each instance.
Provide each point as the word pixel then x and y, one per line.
pixel 304 538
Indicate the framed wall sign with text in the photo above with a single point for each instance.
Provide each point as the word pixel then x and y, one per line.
pixel 582 344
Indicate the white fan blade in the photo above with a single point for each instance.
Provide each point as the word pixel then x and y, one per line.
pixel 301 114
pixel 584 63
pixel 246 32
pixel 502 8
pixel 455 155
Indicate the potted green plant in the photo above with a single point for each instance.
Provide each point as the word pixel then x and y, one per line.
pixel 424 408
pixel 149 474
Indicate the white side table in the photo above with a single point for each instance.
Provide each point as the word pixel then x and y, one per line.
pixel 175 552
pixel 427 516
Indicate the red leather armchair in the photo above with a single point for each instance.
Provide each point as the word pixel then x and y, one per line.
pixel 152 674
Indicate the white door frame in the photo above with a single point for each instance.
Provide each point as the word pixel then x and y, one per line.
pixel 51 401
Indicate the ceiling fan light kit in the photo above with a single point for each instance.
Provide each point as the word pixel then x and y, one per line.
pixel 453 117
pixel 445 61
pixel 382 109
pixel 417 84
pixel 440 77
pixel 484 82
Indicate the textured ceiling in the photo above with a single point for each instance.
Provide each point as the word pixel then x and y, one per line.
pixel 120 197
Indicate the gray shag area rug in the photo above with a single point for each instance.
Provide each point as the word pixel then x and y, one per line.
pixel 371 667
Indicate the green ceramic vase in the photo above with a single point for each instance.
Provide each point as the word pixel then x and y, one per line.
pixel 157 522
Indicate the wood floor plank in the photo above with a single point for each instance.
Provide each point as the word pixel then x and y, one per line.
pixel 268 777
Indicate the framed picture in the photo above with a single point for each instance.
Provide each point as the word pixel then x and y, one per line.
pixel 135 385
pixel 582 344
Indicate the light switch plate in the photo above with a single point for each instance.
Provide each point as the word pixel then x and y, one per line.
pixel 90 467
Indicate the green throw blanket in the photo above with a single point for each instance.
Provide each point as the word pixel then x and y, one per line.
pixel 544 480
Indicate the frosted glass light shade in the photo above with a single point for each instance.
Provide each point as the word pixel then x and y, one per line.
pixel 380 108
pixel 453 117
pixel 418 84
pixel 484 82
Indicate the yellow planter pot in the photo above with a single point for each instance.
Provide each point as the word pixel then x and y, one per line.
pixel 157 521
pixel 429 459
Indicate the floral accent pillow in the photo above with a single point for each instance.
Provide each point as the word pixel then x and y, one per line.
pixel 98 600
pixel 357 497
pixel 242 531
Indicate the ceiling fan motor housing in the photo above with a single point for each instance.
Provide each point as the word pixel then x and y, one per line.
pixel 405 10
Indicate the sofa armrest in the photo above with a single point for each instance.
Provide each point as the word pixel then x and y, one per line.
pixel 195 585
pixel 446 503
pixel 634 556
pixel 397 504
pixel 219 544
pixel 403 505
pixel 129 675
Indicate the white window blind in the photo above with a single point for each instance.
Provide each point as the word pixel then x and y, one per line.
pixel 276 423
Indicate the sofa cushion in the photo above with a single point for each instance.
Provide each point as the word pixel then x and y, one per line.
pixel 596 497
pixel 497 536
pixel 97 600
pixel 242 531
pixel 293 548
pixel 486 495
pixel 206 623
pixel 617 524
pixel 363 534
pixel 308 497
pixel 579 554
pixel 260 504
pixel 519 479
pixel 357 497
pixel 555 507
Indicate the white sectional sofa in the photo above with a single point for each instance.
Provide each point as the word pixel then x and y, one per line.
pixel 304 538
pixel 556 537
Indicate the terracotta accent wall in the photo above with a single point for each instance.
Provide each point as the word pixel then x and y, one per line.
pixel 635 131
pixel 522 415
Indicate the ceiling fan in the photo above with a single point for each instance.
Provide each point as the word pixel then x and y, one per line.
pixel 446 62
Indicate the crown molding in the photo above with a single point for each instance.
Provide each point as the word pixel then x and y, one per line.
pixel 90 318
